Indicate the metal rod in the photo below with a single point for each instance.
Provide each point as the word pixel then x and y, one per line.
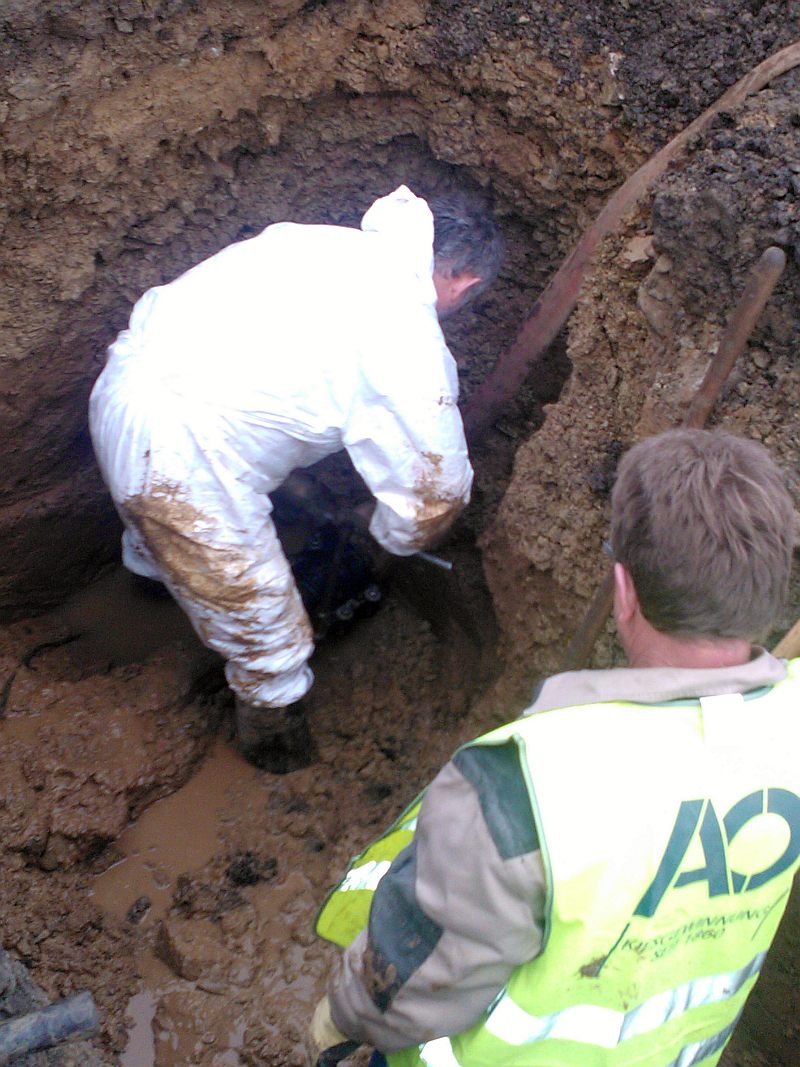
pixel 759 286
pixel 585 637
pixel 437 561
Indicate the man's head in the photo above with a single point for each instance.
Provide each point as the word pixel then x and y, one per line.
pixel 468 249
pixel 703 524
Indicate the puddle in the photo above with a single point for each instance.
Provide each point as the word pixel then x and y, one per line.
pixel 141 1048
pixel 175 835
pixel 120 624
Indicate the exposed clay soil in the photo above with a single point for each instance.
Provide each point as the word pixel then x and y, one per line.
pixel 141 858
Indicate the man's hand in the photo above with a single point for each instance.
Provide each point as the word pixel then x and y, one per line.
pixel 325 1044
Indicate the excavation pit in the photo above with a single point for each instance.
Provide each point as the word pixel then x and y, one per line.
pixel 140 138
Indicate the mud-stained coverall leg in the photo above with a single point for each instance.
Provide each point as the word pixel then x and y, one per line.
pixel 238 592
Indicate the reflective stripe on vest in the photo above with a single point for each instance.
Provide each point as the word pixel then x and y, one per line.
pixel 594 1025
pixel 439 1053
pixel 369 874
pixel 365 877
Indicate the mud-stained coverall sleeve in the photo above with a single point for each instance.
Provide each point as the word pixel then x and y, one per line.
pixel 457 912
pixel 405 435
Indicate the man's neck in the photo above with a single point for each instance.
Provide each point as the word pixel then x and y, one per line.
pixel 669 650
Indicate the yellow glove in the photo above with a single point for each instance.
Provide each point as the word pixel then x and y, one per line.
pixel 322 1035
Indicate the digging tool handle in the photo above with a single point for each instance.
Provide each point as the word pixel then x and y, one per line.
pixel 69 1020
pixel 789 645
pixel 355 521
pixel 437 561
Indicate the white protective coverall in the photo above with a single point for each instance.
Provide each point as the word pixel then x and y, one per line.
pixel 273 353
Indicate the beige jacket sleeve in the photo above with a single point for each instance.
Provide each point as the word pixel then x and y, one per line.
pixel 458 911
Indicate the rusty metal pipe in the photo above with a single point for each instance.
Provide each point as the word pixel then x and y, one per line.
pixel 759 286
pixel 762 280
pixel 585 637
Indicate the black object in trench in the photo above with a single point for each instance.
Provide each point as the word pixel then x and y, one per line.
pixel 336 578
pixel 333 566
pixel 69 1020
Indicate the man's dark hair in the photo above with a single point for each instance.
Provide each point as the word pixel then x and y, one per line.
pixel 705 525
pixel 466 237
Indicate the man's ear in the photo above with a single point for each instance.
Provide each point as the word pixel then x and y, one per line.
pixel 452 289
pixel 463 282
pixel 626 601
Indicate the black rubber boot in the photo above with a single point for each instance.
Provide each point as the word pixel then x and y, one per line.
pixel 275 739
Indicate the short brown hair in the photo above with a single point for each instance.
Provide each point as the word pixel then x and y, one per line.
pixel 705 525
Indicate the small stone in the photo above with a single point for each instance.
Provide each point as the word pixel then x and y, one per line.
pixel 246 869
pixel 138 909
pixel 760 358
pixel 639 249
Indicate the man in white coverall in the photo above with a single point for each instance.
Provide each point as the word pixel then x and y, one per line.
pixel 273 353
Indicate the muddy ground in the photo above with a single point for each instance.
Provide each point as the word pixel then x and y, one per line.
pixel 142 858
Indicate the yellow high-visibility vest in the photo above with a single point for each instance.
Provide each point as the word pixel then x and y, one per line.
pixel 670 835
